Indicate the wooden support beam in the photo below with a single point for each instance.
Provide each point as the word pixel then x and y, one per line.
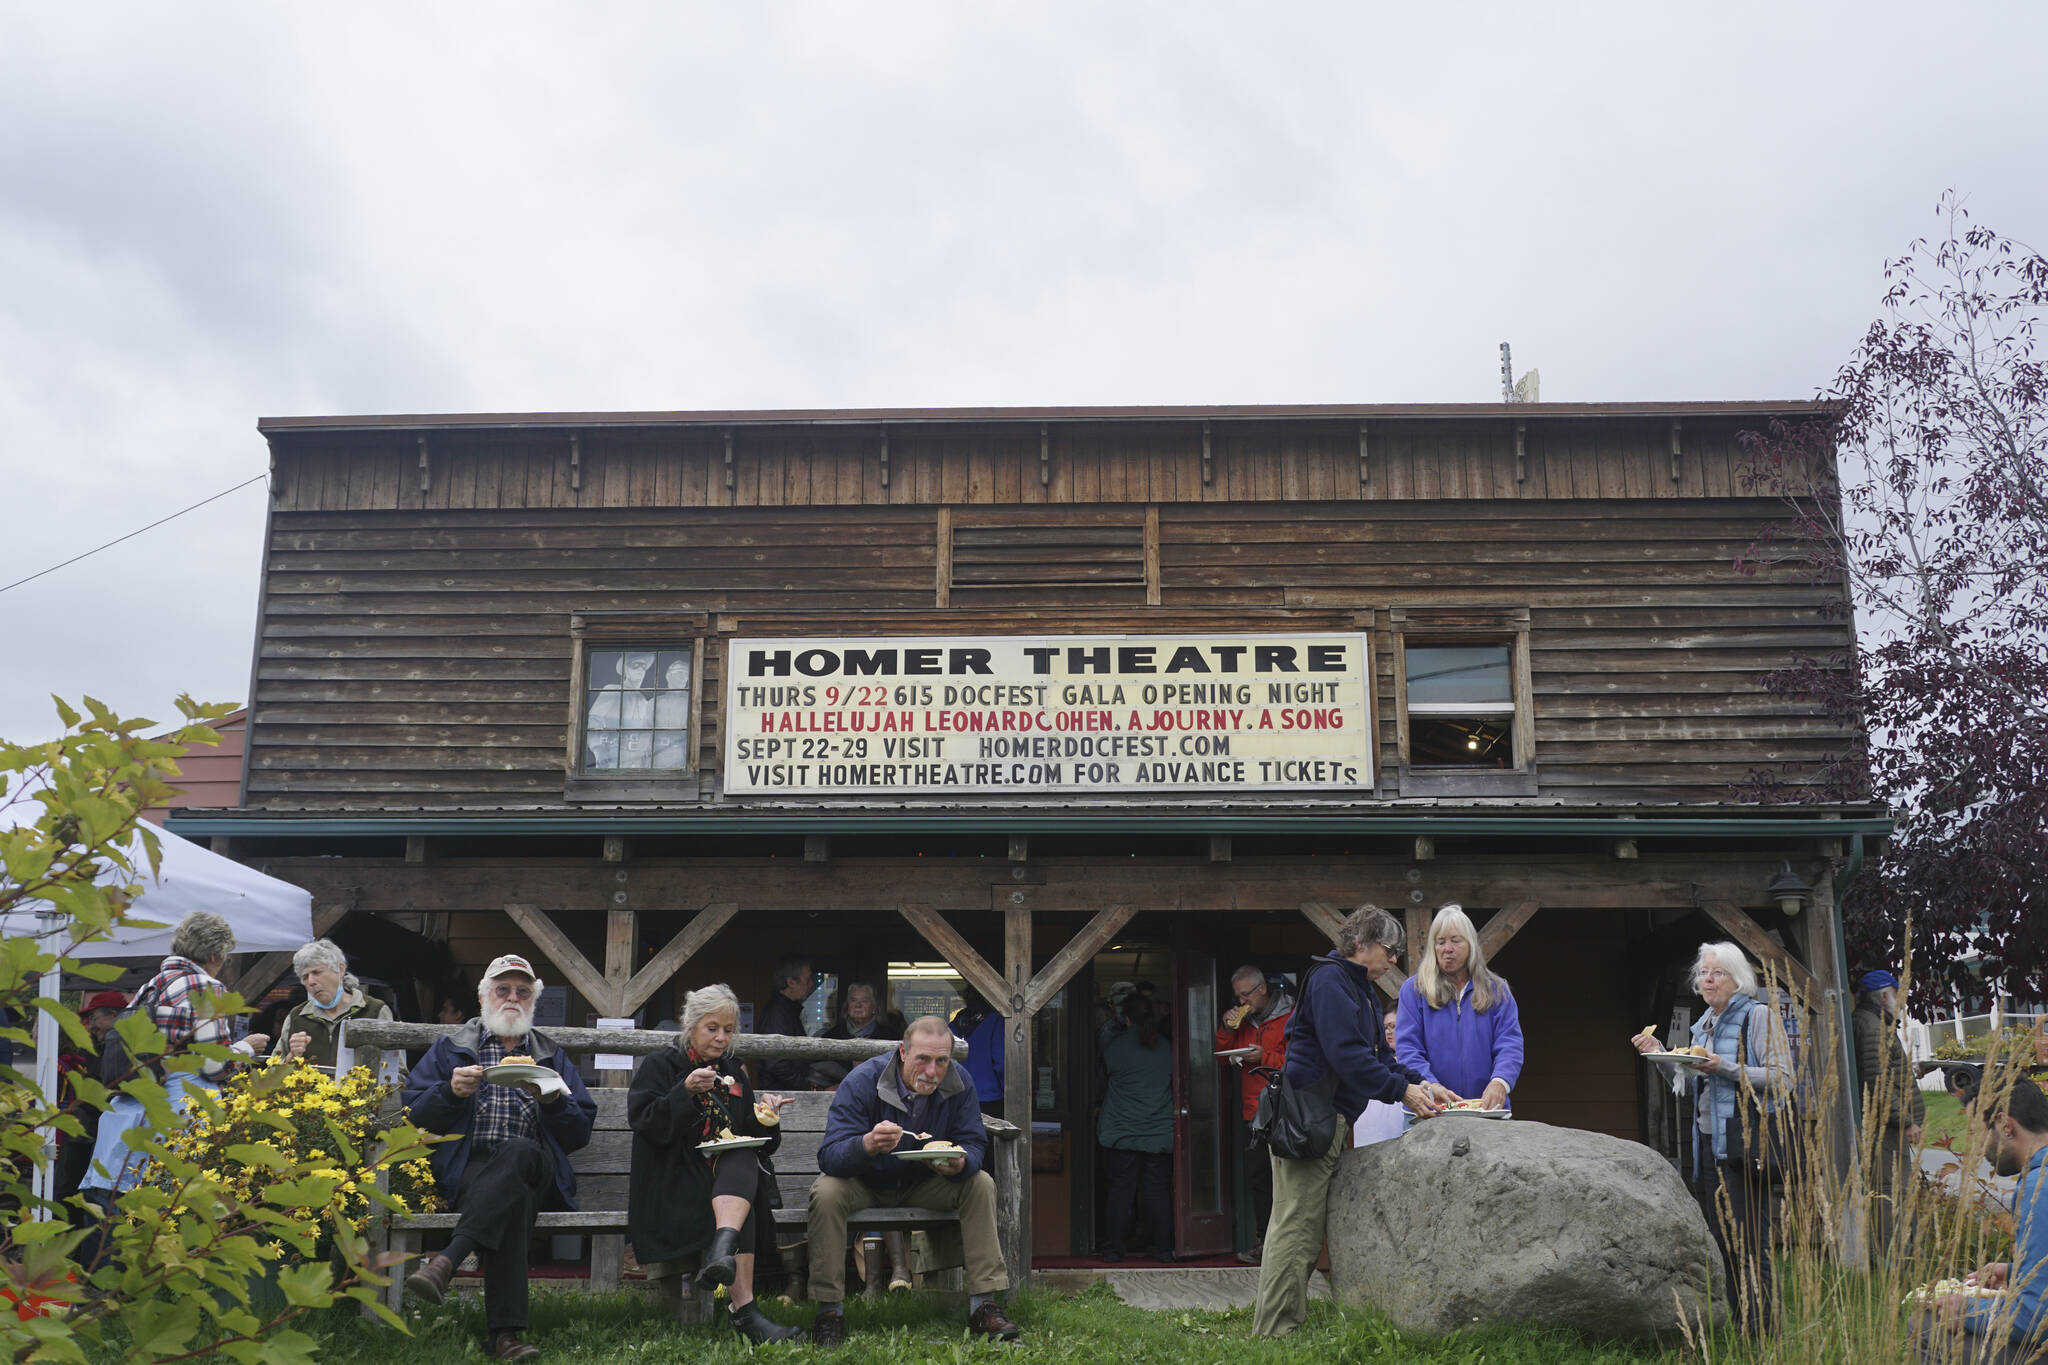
pixel 617 848
pixel 1219 848
pixel 555 946
pixel 1018 1076
pixel 1076 953
pixel 418 849
pixel 1495 933
pixel 621 937
pixel 958 951
pixel 942 557
pixel 1152 555
pixel 1760 946
pixel 1020 848
pixel 1415 927
pixel 817 848
pixel 673 954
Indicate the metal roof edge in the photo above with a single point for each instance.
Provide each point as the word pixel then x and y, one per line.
pixel 1633 823
pixel 1223 412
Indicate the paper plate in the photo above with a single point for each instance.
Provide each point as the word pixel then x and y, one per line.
pixel 518 1073
pixel 932 1154
pixel 1684 1059
pixel 738 1144
pixel 1231 1054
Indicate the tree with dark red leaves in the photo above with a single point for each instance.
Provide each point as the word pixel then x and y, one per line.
pixel 1934 522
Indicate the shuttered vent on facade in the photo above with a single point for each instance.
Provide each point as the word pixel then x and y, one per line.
pixel 1050 555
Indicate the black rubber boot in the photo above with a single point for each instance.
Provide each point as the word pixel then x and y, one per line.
pixel 751 1323
pixel 718 1264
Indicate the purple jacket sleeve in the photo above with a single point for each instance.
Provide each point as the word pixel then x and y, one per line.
pixel 1507 1037
pixel 1408 1048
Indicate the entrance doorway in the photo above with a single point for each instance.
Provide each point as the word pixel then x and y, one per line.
pixel 1179 980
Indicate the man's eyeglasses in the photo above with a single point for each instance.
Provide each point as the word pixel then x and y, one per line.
pixel 512 992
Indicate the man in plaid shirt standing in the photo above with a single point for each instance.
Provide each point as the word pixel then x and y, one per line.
pixel 511 1156
pixel 179 999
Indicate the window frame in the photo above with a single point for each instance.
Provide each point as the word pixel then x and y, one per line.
pixel 645 630
pixel 1466 626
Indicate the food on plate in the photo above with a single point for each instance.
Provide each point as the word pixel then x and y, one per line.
pixel 1695 1051
pixel 725 1135
pixel 1966 1287
pixel 518 1059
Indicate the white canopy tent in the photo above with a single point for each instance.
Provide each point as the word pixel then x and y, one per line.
pixel 266 914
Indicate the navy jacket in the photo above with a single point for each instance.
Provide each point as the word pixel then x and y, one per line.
pixel 1329 1028
pixel 432 1105
pixel 874 1091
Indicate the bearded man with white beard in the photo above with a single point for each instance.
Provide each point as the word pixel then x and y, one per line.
pixel 510 1159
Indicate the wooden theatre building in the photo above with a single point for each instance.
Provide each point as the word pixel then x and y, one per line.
pixel 1040 700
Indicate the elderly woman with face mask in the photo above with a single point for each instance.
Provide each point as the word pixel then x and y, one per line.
pixel 683 1200
pixel 312 1029
pixel 1748 1067
pixel 1459 1025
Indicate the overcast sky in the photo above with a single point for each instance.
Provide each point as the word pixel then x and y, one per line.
pixel 211 213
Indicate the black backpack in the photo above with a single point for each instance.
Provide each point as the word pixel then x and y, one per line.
pixel 116 1065
pixel 1300 1122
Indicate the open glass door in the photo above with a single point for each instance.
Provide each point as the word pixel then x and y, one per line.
pixel 1201 1155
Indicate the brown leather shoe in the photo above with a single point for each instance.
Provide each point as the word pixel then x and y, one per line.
pixel 508 1346
pixel 828 1331
pixel 988 1321
pixel 430 1281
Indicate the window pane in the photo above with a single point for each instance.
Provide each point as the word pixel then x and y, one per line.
pixel 671 669
pixel 604 667
pixel 637 707
pixel 1457 674
pixel 1461 741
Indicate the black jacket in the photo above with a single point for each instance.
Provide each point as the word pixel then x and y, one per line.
pixel 668 1202
pixel 432 1104
pixel 785 1016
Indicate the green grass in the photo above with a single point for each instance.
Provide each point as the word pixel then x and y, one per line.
pixel 1944 1118
pixel 1058 1330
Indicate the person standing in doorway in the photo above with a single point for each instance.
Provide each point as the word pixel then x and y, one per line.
pixel 1259 1019
pixel 1135 1129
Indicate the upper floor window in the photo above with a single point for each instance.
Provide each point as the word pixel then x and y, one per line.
pixel 1464 706
pixel 1461 705
pixel 636 707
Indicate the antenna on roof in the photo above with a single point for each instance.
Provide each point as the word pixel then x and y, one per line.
pixel 1512 390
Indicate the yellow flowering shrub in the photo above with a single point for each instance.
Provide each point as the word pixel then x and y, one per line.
pixel 307 1118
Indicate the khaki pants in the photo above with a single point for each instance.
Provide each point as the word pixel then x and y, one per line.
pixel 833 1201
pixel 1294 1236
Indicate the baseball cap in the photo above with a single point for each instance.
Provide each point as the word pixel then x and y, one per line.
pixel 105 1000
pixel 508 964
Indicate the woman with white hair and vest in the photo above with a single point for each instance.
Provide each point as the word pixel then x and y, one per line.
pixel 1748 1067
pixel 681 1200
pixel 312 1029
pixel 1458 1024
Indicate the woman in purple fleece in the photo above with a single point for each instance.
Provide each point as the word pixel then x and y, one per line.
pixel 1458 1023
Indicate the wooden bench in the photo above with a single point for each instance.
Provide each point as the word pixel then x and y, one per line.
pixel 603 1167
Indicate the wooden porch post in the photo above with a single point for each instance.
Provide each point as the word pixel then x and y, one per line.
pixel 1017 1081
pixel 1830 1005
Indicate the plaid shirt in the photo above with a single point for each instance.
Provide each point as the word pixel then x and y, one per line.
pixel 175 995
pixel 502 1112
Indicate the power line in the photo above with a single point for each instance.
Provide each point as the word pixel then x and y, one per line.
pixel 136 532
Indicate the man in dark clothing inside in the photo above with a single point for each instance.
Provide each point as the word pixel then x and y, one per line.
pixel 792 983
pixel 898 1103
pixel 511 1157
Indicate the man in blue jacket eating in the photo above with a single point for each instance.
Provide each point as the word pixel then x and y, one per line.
pixel 902 1102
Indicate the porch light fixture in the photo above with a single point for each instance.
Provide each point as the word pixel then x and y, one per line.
pixel 1788 891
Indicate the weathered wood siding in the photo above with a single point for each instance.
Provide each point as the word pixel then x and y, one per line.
pixel 422 655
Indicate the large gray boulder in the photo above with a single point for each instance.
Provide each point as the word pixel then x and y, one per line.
pixel 1466 1221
